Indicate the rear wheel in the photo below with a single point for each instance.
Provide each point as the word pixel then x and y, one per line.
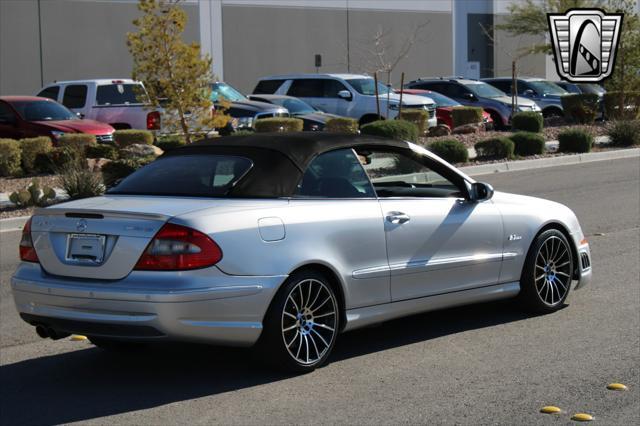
pixel 546 276
pixel 302 323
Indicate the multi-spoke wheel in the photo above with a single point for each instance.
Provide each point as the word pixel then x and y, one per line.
pixel 547 273
pixel 301 326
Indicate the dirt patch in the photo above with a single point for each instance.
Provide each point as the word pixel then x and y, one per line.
pixel 10 185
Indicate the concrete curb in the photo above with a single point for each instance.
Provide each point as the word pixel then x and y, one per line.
pixel 564 160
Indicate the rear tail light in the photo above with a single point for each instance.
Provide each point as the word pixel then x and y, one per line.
pixel 153 120
pixel 176 248
pixel 27 251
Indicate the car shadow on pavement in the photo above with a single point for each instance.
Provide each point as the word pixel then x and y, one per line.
pixel 90 383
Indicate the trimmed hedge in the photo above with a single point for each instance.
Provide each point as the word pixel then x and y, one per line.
pixel 630 102
pixel 393 129
pixel 527 121
pixel 102 151
pixel 575 140
pixel 31 149
pixel 527 143
pixel 500 147
pixel 168 142
pixel 419 117
pixel 128 137
pixel 341 125
pixel 60 159
pixel 624 133
pixel 79 141
pixel 278 124
pixel 581 108
pixel 9 157
pixel 450 150
pixel 466 115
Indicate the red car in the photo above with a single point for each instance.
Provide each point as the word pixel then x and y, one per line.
pixel 29 116
pixel 444 105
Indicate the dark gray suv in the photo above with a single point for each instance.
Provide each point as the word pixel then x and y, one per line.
pixel 546 94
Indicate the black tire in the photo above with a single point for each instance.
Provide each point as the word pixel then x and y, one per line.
pixel 552 112
pixel 497 121
pixel 369 118
pixel 116 346
pixel 547 273
pixel 312 336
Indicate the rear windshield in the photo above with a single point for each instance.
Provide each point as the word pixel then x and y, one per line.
pixel 120 94
pixel 186 175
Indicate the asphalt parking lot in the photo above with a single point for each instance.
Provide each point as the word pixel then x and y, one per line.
pixel 485 364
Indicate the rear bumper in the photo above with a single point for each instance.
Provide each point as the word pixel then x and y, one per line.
pixel 201 306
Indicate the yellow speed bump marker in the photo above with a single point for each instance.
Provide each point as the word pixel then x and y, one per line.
pixel 78 338
pixel 582 417
pixel 616 387
pixel 550 409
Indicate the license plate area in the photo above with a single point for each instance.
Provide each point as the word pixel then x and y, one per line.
pixel 85 248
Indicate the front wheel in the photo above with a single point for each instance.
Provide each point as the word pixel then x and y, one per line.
pixel 546 276
pixel 302 324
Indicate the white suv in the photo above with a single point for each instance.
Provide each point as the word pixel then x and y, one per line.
pixel 348 95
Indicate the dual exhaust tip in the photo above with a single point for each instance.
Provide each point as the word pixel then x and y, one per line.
pixel 48 332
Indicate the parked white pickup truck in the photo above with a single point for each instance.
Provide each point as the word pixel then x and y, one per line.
pixel 112 101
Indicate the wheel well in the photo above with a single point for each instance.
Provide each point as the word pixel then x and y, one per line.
pixel 552 109
pixel 574 251
pixel 368 118
pixel 495 114
pixel 120 126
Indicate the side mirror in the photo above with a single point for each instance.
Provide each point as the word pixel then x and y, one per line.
pixel 9 121
pixel 528 93
pixel 80 115
pixel 345 94
pixel 470 96
pixel 481 191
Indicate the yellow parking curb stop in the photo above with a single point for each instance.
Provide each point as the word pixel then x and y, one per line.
pixel 550 409
pixel 78 338
pixel 582 417
pixel 617 387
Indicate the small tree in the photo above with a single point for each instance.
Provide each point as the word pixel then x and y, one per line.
pixel 172 70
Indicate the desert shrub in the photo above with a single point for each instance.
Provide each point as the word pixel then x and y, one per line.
pixel 581 108
pixel 34 195
pixel 114 171
pixel 419 117
pixel 393 129
pixel 500 147
pixel 168 142
pixel 527 143
pixel 81 183
pixel 79 141
pixel 59 159
pixel 128 137
pixel 450 150
pixel 9 157
pixel 466 115
pixel 31 149
pixel 624 133
pixel 102 151
pixel 575 140
pixel 341 125
pixel 527 121
pixel 278 124
pixel 630 102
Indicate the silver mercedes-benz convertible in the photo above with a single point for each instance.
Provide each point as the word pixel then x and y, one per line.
pixel 285 241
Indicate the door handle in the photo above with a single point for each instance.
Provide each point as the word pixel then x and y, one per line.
pixel 397 217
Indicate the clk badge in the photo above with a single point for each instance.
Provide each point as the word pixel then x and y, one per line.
pixel 515 237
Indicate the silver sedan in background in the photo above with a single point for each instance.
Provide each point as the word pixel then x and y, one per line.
pixel 284 241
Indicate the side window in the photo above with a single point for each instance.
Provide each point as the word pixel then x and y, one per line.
pixel 522 86
pixel 50 92
pixel 267 87
pixel 75 96
pixel 307 88
pixel 400 174
pixel 6 114
pixel 332 87
pixel 503 85
pixel 456 90
pixel 335 174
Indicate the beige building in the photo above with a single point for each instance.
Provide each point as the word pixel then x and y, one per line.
pixel 46 40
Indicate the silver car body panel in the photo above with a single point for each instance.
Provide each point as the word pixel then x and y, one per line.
pixel 449 252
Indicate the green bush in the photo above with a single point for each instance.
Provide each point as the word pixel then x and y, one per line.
pixel 630 102
pixel 341 125
pixel 81 183
pixel 450 150
pixel 580 108
pixel 34 195
pixel 128 137
pixel 575 140
pixel 113 171
pixel 393 129
pixel 624 133
pixel 79 141
pixel 500 147
pixel 30 149
pixel 102 151
pixel 419 117
pixel 278 124
pixel 466 115
pixel 527 143
pixel 9 157
pixel 168 142
pixel 527 121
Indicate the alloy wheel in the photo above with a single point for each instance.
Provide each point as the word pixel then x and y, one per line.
pixel 552 271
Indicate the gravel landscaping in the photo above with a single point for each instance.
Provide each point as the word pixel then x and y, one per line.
pixel 10 185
